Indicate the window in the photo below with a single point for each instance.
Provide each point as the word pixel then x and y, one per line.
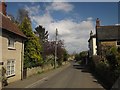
pixel 118 43
pixel 10 67
pixel 11 42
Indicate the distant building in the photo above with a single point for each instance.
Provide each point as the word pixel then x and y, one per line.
pixel 107 36
pixel 12 46
pixel 92 44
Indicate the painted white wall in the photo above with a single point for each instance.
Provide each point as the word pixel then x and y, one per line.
pixel 92 47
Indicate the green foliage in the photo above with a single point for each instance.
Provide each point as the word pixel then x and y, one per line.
pixel 26 28
pixel 107 68
pixel 81 56
pixel 43 35
pixel 77 57
pixel 112 57
pixel 32 56
pixel 43 38
pixel 65 55
pixel 50 60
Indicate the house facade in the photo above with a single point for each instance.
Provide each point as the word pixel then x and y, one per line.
pixel 12 47
pixel 92 45
pixel 106 36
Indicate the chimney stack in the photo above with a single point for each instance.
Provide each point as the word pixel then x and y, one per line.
pixel 97 22
pixel 91 33
pixel 3 7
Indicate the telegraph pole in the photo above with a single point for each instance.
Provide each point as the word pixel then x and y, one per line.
pixel 56 35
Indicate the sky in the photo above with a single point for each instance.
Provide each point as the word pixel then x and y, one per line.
pixel 74 20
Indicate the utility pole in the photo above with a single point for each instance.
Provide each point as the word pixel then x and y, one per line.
pixel 56 35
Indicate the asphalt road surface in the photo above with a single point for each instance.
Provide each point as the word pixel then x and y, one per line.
pixel 74 76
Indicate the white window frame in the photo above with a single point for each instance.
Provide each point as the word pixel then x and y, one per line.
pixel 10 68
pixel 118 43
pixel 11 43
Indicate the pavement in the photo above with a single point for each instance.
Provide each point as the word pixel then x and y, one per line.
pixel 29 81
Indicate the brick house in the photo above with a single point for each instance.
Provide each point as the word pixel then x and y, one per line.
pixel 12 46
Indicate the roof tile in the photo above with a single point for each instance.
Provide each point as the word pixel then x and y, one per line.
pixel 8 25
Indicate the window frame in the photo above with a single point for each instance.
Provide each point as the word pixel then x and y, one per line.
pixel 11 41
pixel 118 43
pixel 11 67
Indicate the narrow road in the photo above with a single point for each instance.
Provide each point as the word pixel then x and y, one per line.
pixel 71 77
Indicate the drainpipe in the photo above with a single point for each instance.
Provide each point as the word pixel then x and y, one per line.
pixel 1 62
pixel 22 59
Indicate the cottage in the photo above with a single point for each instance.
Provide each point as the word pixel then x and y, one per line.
pixel 12 46
pixel 107 36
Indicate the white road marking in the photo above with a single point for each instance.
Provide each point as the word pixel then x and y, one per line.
pixel 32 85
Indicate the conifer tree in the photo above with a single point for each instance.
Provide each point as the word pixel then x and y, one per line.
pixel 32 56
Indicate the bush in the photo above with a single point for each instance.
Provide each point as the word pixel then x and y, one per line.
pixel 101 67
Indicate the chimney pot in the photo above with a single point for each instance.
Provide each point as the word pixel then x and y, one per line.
pixel 97 22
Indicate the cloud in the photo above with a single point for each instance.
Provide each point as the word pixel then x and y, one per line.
pixel 44 20
pixel 60 6
pixel 117 24
pixel 33 10
pixel 75 34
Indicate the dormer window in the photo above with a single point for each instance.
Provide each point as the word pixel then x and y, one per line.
pixel 11 43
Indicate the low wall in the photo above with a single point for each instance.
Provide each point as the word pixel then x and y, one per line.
pixel 35 70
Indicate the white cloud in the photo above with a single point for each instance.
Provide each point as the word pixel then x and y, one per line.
pixel 33 10
pixel 117 24
pixel 60 6
pixel 44 20
pixel 74 34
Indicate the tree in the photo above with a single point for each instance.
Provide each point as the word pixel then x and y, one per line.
pixel 32 56
pixel 43 35
pixel 65 55
pixel 43 38
pixel 60 52
pixel 22 14
pixel 77 58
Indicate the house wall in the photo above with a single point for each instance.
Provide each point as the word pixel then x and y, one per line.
pixel 92 47
pixel 12 54
pixel 105 43
pixel 108 43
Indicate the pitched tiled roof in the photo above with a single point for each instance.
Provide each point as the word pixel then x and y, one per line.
pixel 8 25
pixel 108 33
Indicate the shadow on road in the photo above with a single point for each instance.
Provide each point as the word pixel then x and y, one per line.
pixel 82 68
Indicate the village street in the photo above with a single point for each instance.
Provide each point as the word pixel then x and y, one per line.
pixel 73 76
pixel 70 76
pixel 59 45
